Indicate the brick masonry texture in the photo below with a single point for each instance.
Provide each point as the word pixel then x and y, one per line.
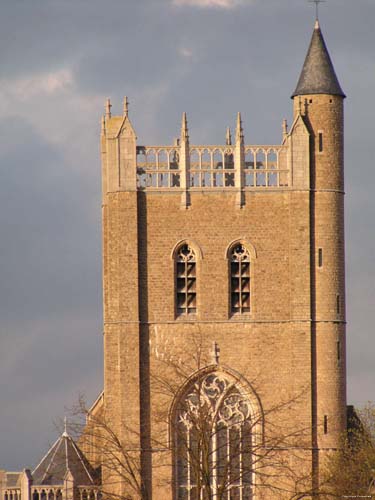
pixel 287 347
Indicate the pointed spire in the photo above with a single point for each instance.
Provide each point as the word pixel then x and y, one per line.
pixel 108 107
pixel 228 137
pixel 239 130
pixel 318 74
pixel 126 106
pixel 184 128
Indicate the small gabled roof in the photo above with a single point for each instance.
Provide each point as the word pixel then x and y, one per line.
pixel 64 458
pixel 12 479
pixel 318 74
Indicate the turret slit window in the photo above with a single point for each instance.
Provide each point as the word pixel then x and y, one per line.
pixel 186 281
pixel 240 279
pixel 320 142
pixel 320 257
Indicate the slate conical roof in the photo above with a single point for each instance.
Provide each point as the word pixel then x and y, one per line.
pixel 64 457
pixel 318 74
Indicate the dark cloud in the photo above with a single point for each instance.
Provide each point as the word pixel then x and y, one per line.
pixel 208 62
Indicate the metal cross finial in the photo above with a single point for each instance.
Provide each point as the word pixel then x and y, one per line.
pixel 108 107
pixel 317 2
pixel 126 106
pixel 65 427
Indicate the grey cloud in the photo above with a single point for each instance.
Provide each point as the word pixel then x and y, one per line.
pixel 246 60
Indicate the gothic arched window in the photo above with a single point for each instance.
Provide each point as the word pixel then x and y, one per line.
pixel 240 279
pixel 186 281
pixel 213 441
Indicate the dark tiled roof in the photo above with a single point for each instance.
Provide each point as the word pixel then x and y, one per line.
pixel 318 74
pixel 12 479
pixel 64 456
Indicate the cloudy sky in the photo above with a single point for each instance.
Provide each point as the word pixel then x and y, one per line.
pixel 59 60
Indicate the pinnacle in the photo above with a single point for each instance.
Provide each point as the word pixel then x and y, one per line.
pixel 184 127
pixel 239 130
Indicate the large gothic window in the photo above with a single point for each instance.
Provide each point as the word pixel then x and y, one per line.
pixel 213 441
pixel 240 279
pixel 186 281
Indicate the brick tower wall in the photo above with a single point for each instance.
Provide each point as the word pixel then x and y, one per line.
pixel 325 116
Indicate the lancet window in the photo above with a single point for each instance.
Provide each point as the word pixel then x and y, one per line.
pixel 186 281
pixel 213 441
pixel 240 279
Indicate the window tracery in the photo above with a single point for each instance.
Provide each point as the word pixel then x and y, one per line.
pixel 186 281
pixel 240 279
pixel 214 441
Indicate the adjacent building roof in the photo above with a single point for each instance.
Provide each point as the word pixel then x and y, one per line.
pixel 318 74
pixel 64 457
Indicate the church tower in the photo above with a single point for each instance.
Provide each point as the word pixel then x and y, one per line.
pixel 224 301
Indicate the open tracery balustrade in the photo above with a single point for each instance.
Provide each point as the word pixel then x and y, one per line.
pixel 210 167
pixel 12 494
pixel 47 493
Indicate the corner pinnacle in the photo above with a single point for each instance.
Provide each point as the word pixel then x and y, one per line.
pixel 239 130
pixel 184 127
pixel 228 137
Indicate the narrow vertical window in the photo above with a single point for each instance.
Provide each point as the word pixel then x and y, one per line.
pixel 320 257
pixel 186 281
pixel 240 279
pixel 338 304
pixel 325 424
pixel 320 142
pixel 338 350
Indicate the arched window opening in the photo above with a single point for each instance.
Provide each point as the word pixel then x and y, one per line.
pixel 163 160
pixel 195 176
pixel 240 279
pixel 249 168
pixel 272 164
pixel 141 156
pixel 174 160
pixel 194 160
pixel 213 441
pixel 150 160
pixel 217 165
pixel 260 165
pixel 228 160
pixel 186 281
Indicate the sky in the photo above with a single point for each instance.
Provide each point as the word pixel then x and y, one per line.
pixel 59 61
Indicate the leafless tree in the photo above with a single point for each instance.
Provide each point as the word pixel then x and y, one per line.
pixel 350 472
pixel 221 440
